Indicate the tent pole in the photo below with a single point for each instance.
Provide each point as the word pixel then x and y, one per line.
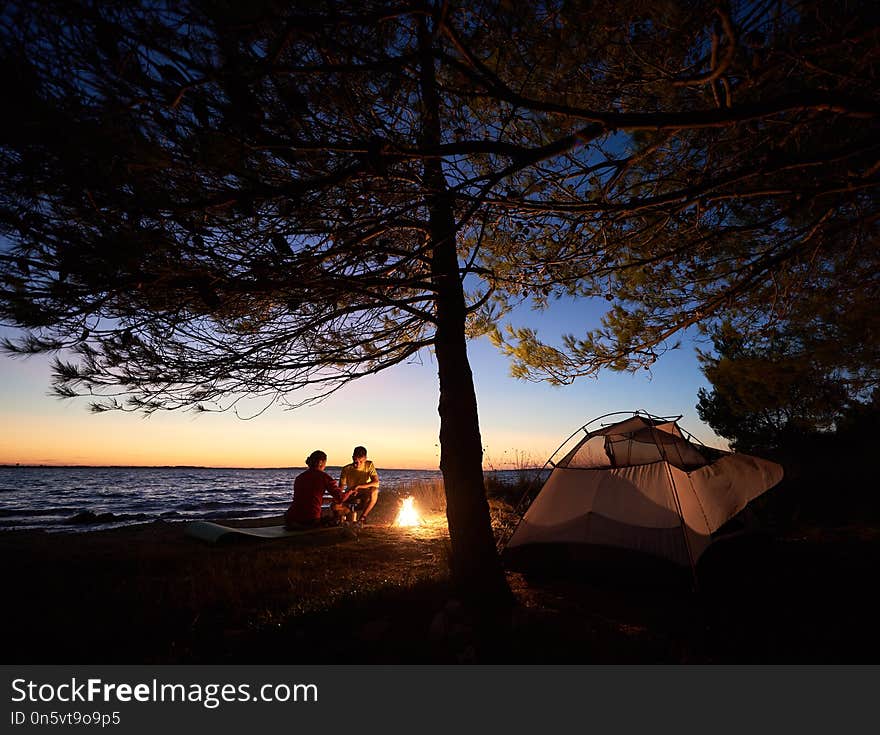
pixel 681 523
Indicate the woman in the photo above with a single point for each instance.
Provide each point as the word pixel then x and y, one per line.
pixel 308 493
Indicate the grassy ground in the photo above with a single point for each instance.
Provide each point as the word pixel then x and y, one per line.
pixel 150 594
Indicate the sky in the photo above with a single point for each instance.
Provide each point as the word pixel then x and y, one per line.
pixel 393 414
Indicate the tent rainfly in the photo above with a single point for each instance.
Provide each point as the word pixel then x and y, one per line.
pixel 642 484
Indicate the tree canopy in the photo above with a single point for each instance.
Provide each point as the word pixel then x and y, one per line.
pixel 209 200
pixel 684 162
pixel 745 191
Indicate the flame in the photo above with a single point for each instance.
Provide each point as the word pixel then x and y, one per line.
pixel 408 515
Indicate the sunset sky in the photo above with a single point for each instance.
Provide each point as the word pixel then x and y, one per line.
pixel 394 414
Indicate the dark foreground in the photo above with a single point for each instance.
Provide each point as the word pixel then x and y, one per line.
pixel 149 594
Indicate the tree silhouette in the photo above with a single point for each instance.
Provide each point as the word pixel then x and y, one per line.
pixel 765 393
pixel 745 192
pixel 211 201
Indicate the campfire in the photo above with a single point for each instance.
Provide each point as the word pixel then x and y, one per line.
pixel 408 515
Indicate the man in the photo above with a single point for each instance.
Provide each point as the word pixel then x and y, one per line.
pixel 361 481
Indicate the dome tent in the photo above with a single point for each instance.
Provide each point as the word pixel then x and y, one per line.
pixel 643 484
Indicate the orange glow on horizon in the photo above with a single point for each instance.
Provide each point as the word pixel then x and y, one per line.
pixel 169 441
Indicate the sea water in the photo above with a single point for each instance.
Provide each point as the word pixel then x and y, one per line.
pixel 91 498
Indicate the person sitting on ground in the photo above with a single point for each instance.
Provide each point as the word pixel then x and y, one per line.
pixel 361 481
pixel 309 488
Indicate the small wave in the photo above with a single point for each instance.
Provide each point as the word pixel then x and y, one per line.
pixel 188 506
pixel 88 517
pixel 18 523
pixel 210 505
pixel 36 512
pixel 81 521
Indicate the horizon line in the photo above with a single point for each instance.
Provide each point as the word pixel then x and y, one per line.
pixel 34 465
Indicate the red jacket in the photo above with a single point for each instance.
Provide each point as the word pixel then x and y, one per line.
pixel 308 494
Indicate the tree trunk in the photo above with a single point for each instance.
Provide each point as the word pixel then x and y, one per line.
pixel 476 567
